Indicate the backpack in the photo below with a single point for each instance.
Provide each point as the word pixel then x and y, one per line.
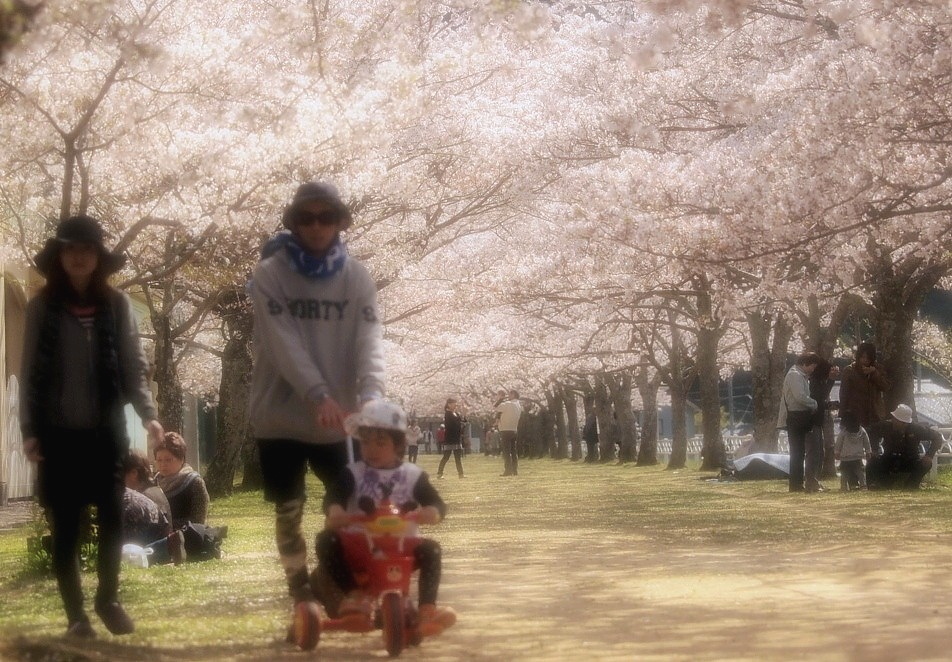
pixel 203 542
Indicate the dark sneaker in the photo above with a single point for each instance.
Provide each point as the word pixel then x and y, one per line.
pixel 326 590
pixel 81 629
pixel 115 618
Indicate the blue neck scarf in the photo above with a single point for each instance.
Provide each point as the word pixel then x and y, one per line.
pixel 303 262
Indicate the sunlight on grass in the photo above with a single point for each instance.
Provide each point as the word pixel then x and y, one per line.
pixel 497 527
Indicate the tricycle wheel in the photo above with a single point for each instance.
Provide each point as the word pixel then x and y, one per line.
pixel 391 608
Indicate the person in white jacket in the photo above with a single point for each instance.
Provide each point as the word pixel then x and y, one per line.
pixel 796 415
pixel 317 356
pixel 508 413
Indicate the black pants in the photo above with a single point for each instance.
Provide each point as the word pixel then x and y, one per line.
pixel 886 471
pixel 510 456
pixel 799 424
pixel 412 453
pixel 427 558
pixel 284 465
pixel 813 456
pixel 457 455
pixel 82 468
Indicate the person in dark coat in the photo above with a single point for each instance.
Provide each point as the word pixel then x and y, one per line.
pixel 900 438
pixel 862 386
pixel 453 422
pixel 82 363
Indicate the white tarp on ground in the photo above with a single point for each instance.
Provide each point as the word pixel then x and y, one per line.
pixel 761 466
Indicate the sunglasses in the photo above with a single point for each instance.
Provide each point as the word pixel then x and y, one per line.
pixel 327 217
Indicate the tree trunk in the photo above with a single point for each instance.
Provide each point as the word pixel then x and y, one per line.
pixel 901 286
pixel 894 345
pixel 170 397
pixel 648 389
pixel 233 429
pixel 821 338
pixel 620 390
pixel 768 362
pixel 678 385
pixel 557 407
pixel 531 434
pixel 570 401
pixel 606 424
pixel 546 433
pixel 708 335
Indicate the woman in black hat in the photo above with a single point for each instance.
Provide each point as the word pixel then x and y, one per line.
pixel 82 363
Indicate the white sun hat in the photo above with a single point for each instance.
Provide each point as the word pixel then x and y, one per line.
pixel 376 414
pixel 903 413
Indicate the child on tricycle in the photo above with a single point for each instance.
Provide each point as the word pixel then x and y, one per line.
pixel 369 546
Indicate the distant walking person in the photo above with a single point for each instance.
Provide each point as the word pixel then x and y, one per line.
pixel 413 441
pixel 797 415
pixel 82 363
pixel 508 412
pixel 452 437
pixel 862 386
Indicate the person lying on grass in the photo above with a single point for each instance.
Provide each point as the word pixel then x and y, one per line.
pixel 381 427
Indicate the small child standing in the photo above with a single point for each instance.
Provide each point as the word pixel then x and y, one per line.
pixel 381 428
pixel 851 448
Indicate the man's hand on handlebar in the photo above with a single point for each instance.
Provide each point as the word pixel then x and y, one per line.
pixel 337 518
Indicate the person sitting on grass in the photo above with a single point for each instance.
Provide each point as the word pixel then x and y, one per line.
pixel 139 477
pixel 147 516
pixel 381 427
pixel 183 486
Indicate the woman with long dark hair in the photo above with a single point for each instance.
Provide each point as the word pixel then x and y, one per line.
pixel 82 362
pixel 453 422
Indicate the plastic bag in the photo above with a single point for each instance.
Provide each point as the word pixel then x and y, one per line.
pixel 136 556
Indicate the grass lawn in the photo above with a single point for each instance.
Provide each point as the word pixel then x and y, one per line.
pixel 566 562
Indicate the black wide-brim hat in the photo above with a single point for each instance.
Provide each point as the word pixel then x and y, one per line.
pixel 78 230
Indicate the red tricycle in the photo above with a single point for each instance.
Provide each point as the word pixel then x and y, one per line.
pixel 379 550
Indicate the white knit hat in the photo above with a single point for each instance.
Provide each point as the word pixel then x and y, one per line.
pixel 377 414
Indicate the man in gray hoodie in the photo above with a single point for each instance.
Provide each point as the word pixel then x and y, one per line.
pixel 318 356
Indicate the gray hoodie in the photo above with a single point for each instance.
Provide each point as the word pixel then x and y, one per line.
pixel 313 337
